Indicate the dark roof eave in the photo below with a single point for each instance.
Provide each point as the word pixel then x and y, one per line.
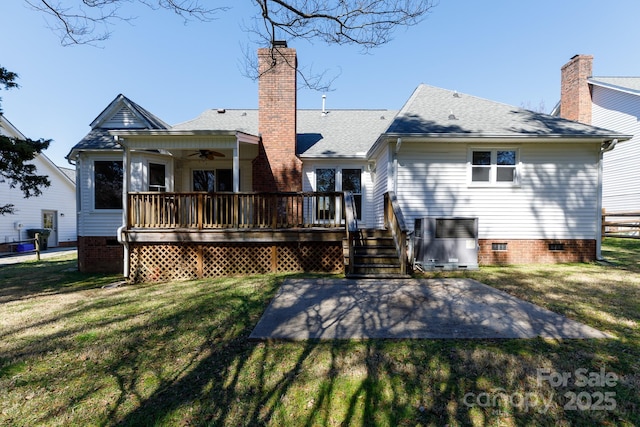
pixel 156 132
pixel 362 156
pixel 459 137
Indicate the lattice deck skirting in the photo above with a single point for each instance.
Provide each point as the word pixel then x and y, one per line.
pixel 166 262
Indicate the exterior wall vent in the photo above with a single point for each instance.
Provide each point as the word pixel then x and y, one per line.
pixel 499 247
pixel 556 247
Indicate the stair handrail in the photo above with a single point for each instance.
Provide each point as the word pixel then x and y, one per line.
pixel 394 220
pixel 351 226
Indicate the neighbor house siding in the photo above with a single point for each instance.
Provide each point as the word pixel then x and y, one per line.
pixel 556 199
pixel 619 111
pixel 59 197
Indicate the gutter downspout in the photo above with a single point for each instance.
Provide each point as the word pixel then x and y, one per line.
pixel 126 166
pixel 606 147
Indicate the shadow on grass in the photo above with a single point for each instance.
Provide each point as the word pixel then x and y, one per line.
pixel 48 276
pixel 179 354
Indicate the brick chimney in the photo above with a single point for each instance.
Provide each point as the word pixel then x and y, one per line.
pixel 277 168
pixel 575 94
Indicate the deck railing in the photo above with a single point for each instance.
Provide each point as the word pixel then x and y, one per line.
pixel 351 228
pixel 200 210
pixel 394 221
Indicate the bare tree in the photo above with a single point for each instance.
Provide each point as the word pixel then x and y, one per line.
pixel 368 23
pixel 365 23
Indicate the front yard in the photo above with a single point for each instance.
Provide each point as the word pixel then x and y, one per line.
pixel 73 352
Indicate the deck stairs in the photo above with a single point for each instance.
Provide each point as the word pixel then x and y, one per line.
pixel 375 256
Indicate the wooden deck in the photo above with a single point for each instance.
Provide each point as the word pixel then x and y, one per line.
pixel 173 236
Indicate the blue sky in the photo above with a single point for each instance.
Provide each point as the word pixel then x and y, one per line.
pixel 504 50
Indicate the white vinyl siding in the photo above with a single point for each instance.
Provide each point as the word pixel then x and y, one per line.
pixel 91 221
pixel 124 118
pixel 619 112
pixel 557 196
pixel 59 197
pixel 380 186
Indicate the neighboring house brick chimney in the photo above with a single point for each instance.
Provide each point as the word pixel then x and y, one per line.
pixel 277 168
pixel 575 94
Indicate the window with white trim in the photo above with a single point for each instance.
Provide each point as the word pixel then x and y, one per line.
pixel 157 177
pixel 108 184
pixel 337 179
pixel 494 166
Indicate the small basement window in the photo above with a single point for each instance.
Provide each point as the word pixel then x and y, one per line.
pixel 498 246
pixel 556 246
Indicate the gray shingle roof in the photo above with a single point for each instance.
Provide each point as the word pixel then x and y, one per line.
pixel 70 173
pixel 433 111
pixel 430 111
pixel 628 84
pixel 338 133
pixel 97 139
pixel 234 120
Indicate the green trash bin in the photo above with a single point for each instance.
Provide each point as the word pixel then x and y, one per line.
pixel 44 236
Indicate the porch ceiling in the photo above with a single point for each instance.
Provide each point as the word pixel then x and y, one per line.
pixel 195 154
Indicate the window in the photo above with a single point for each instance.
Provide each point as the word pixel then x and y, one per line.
pixel 494 166
pixel 331 180
pixel 213 180
pixel 352 181
pixel 204 180
pixel 157 177
pixel 108 184
pixel 326 182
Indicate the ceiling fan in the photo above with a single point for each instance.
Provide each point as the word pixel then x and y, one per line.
pixel 207 154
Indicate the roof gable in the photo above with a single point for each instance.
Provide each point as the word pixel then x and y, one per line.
pixel 122 113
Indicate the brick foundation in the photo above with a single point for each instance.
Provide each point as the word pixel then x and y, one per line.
pixel 546 251
pixel 100 255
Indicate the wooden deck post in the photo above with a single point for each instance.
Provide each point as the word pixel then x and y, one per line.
pixel 37 245
pixel 200 207
pixel 200 262
pixel 274 259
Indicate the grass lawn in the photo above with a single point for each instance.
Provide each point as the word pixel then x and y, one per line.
pixel 73 352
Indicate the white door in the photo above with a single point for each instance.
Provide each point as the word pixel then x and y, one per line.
pixel 49 220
